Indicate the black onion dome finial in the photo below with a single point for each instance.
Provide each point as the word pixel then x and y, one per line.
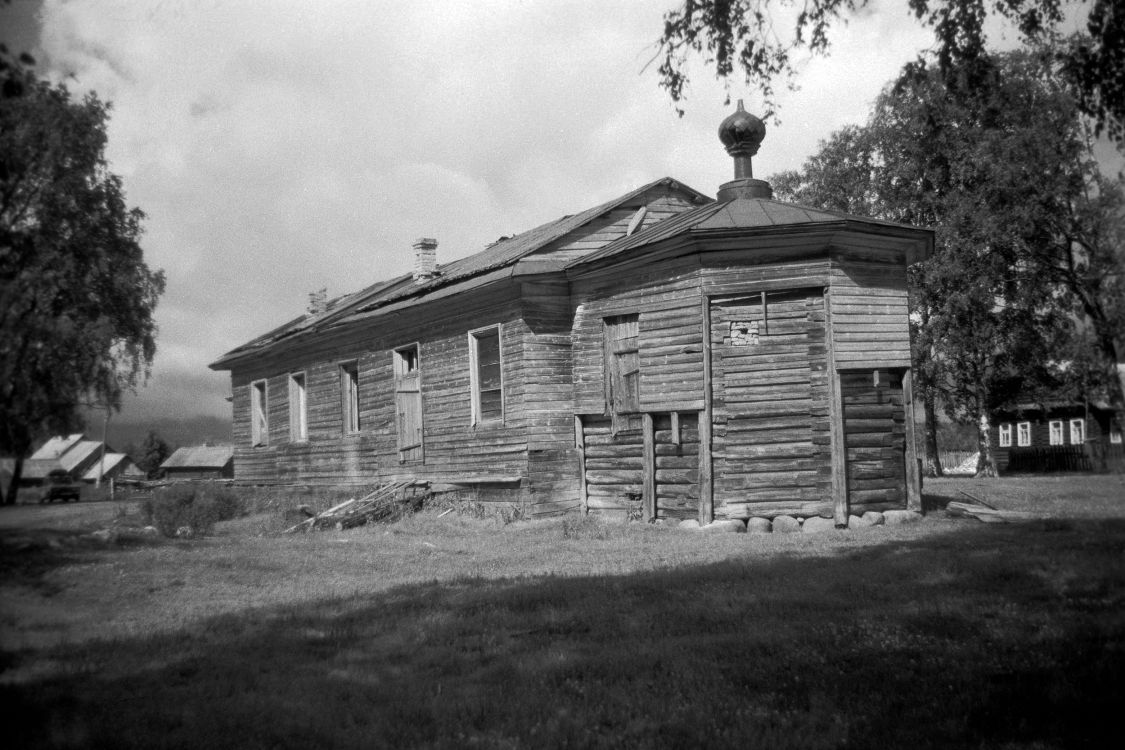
pixel 742 133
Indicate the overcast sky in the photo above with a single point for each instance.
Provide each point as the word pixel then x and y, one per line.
pixel 280 147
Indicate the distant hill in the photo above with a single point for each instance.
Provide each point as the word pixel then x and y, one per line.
pixel 177 433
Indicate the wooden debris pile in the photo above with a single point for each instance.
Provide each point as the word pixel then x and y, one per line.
pixel 387 503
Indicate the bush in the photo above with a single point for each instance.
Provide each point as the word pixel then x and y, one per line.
pixel 197 507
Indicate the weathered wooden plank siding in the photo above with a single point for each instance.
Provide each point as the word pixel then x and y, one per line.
pixel 870 313
pixel 660 203
pixel 615 466
pixel 875 432
pixel 770 406
pixel 454 448
pixel 666 299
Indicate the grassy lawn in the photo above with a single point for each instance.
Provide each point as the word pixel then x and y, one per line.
pixel 461 631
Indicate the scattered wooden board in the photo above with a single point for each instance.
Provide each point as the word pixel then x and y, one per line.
pixel 989 515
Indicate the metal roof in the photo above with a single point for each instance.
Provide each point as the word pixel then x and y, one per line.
pixel 80 453
pixel 202 456
pixel 56 446
pixel 112 462
pixel 498 255
pixel 745 214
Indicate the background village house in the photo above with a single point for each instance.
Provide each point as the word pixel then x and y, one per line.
pixel 200 462
pixel 662 355
pixel 81 459
pixel 1057 436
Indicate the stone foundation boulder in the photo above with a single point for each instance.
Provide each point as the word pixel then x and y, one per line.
pixel 816 524
pixel 786 524
pixel 731 525
pixel 759 526
pixel 873 518
pixel 901 517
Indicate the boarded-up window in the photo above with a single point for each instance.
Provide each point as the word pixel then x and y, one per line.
pixel 623 371
pixel 487 375
pixel 408 403
pixel 298 408
pixel 349 397
pixel 259 414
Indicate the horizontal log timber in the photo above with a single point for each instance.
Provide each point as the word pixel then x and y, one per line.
pixel 773 508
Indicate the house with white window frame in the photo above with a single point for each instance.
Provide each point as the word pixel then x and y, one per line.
pixel 1058 436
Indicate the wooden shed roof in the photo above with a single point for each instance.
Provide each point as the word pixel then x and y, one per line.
pixel 200 457
pixel 470 271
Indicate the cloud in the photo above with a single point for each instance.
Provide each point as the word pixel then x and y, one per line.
pixel 278 147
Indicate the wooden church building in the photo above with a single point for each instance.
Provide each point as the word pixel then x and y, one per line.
pixel 663 355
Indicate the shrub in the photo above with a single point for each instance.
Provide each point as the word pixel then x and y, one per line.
pixel 197 507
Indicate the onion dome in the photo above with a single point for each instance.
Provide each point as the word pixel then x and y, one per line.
pixel 742 134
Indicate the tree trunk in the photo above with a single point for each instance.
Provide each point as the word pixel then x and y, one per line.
pixel 986 461
pixel 933 460
pixel 10 496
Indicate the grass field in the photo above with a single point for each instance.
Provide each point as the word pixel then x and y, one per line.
pixel 460 631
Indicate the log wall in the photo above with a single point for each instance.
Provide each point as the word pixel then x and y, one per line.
pixel 875 433
pixel 772 445
pixel 615 467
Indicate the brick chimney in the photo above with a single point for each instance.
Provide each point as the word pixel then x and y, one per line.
pixel 425 259
pixel 318 301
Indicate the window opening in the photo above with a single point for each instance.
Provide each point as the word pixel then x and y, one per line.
pixel 298 408
pixel 623 371
pixel 1023 434
pixel 1056 434
pixel 259 414
pixel 487 375
pixel 1005 435
pixel 1077 431
pixel 408 403
pixel 349 396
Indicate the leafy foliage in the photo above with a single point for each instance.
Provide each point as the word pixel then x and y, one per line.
pixel 999 164
pixel 77 320
pixel 154 452
pixel 197 507
pixel 760 38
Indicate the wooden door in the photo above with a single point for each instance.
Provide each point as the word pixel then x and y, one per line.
pixel 770 401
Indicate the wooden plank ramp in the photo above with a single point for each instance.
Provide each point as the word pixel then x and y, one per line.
pixel 385 503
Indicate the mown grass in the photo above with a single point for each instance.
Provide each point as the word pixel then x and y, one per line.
pixel 459 631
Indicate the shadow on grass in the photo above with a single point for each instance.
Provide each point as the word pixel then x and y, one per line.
pixel 984 637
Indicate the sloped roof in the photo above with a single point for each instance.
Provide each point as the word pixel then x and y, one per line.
pixel 80 453
pixel 737 214
pixel 39 468
pixel 56 446
pixel 112 462
pixel 200 457
pixel 499 255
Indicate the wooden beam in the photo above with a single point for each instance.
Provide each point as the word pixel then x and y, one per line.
pixel 913 476
pixel 580 444
pixel 676 428
pixel 649 496
pixel 838 440
pixel 706 481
